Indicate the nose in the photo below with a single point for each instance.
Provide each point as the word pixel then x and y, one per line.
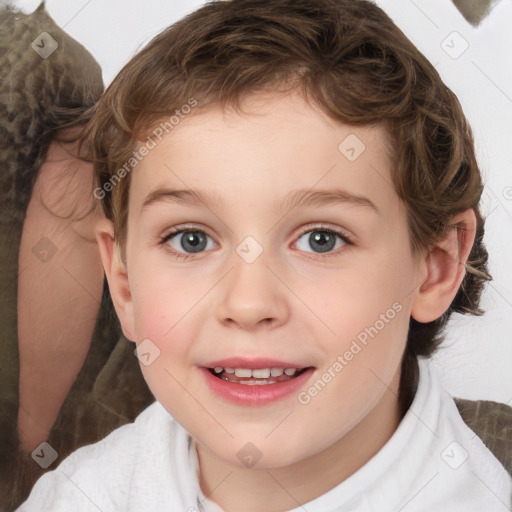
pixel 252 297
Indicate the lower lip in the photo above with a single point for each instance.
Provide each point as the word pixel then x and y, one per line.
pixel 245 394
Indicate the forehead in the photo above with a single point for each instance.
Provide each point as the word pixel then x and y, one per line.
pixel 277 145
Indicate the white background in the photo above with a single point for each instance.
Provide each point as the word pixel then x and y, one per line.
pixel 476 358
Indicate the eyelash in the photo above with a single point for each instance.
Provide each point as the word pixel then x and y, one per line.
pixel 321 227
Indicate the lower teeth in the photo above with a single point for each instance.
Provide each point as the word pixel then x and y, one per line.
pixel 259 382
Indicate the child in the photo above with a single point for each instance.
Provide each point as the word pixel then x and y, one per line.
pixel 292 199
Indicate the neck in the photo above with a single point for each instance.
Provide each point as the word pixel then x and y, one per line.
pixel 285 488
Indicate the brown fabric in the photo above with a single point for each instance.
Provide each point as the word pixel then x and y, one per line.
pixel 474 10
pixel 37 97
pixel 492 422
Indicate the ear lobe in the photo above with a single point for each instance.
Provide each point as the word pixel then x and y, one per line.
pixel 445 269
pixel 117 276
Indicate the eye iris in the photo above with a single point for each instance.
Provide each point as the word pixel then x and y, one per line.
pixel 322 241
pixel 193 241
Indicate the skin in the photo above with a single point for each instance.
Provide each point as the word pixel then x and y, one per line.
pixel 291 303
pixel 58 299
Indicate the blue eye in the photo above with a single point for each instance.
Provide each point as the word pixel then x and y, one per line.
pixel 321 240
pixel 191 241
pixel 184 243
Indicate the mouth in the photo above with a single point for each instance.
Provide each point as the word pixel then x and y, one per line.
pixel 256 376
pixel 251 382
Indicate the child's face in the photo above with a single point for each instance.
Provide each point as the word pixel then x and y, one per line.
pixel 293 305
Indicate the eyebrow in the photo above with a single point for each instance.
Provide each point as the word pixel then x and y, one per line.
pixel 296 198
pixel 308 197
pixel 185 196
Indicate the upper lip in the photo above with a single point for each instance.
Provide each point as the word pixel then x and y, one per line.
pixel 252 363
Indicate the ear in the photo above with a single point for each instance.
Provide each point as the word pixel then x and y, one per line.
pixel 445 269
pixel 117 276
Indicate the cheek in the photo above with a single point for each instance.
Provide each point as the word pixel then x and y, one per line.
pixel 363 311
pixel 352 299
pixel 164 299
pixel 167 307
pixel 152 311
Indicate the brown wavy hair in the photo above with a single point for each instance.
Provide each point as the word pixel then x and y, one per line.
pixel 348 58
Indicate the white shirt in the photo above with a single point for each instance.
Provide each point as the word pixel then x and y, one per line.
pixel 433 462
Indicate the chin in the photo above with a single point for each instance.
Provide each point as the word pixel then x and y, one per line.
pixel 254 451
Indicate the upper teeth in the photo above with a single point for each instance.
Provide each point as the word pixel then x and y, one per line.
pixel 259 373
